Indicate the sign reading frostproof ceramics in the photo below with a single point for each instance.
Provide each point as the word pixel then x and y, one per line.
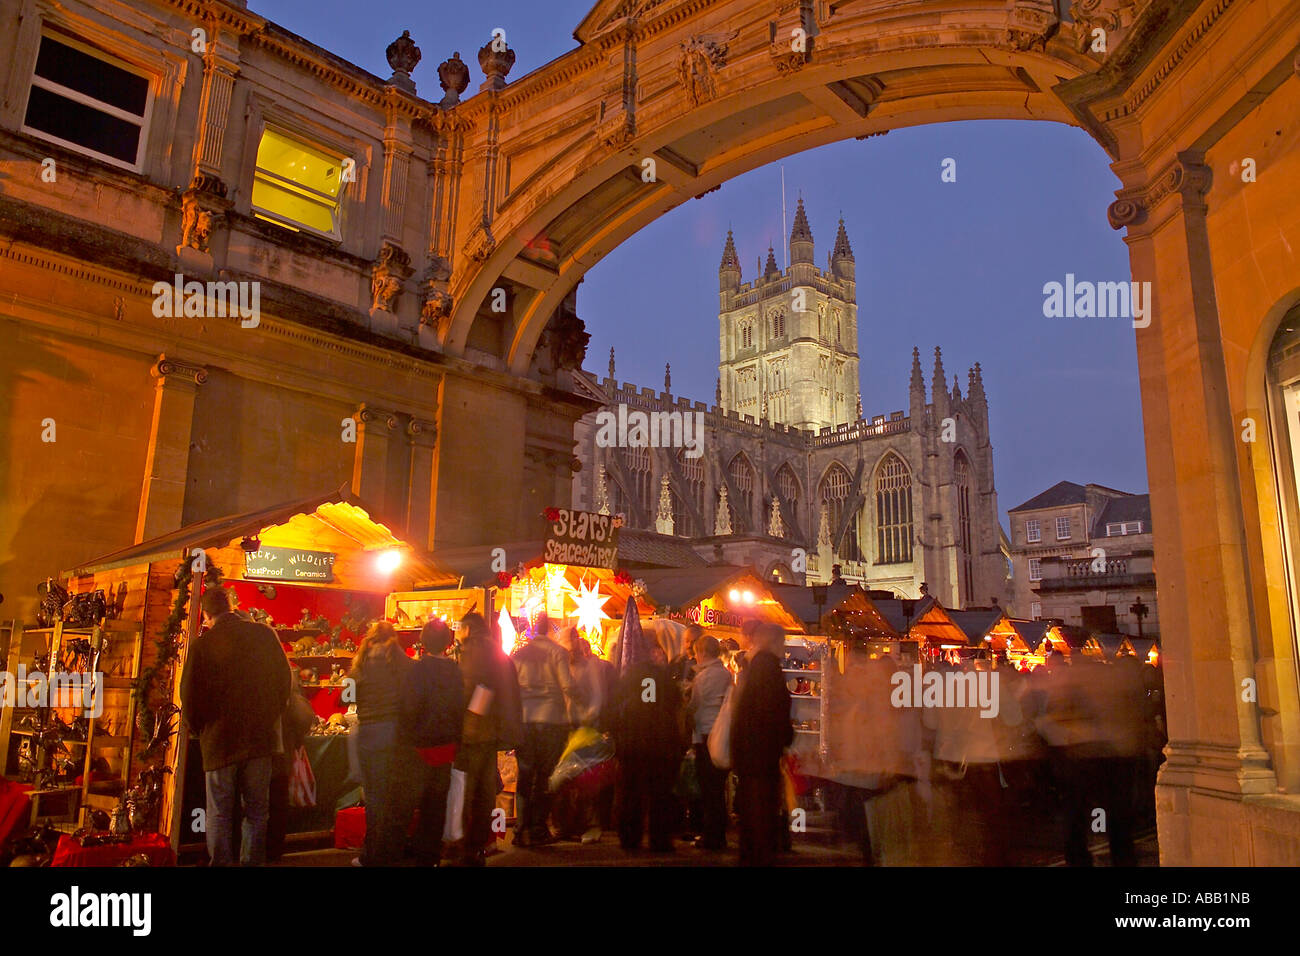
pixel 583 538
pixel 290 564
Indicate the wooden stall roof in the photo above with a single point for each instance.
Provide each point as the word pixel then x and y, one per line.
pixel 339 512
pixel 852 604
pixel 978 624
pixel 684 587
pixel 929 620
pixel 1030 632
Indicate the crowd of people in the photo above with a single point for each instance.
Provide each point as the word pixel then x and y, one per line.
pixel 1078 742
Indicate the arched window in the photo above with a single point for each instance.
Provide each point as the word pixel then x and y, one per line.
pixel 618 500
pixel 836 490
pixel 683 526
pixel 781 574
pixel 893 512
pixel 746 334
pixel 693 476
pixel 963 478
pixel 638 465
pixel 742 478
pixel 787 485
pixel 778 325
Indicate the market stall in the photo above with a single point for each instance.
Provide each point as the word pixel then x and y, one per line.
pixel 318 571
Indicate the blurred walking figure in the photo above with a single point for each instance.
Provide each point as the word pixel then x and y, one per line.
pixel 572 810
pixel 379 668
pixel 431 717
pixel 760 732
pixel 233 693
pixel 708 690
pixel 646 722
pixel 493 721
pixel 546 694
pixel 1092 726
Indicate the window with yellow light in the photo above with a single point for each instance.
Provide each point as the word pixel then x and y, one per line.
pixel 297 185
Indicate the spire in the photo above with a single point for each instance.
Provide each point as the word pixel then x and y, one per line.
pixel 729 258
pixel 668 378
pixel 770 269
pixel 801 237
pixel 939 385
pixel 842 248
pixel 977 384
pixel 956 389
pixel 918 381
pixel 611 361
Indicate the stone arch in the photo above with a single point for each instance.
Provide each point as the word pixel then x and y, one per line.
pixel 564 202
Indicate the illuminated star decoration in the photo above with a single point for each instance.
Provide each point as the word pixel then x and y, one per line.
pixel 508 635
pixel 587 608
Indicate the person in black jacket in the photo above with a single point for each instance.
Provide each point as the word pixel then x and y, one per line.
pixel 429 727
pixel 233 693
pixel 647 738
pixel 760 732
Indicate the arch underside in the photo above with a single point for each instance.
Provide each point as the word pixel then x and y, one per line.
pixel 549 235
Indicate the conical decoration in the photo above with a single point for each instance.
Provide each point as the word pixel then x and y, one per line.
pixel 918 380
pixel 770 268
pixel 722 523
pixel 842 248
pixel 611 361
pixel 956 389
pixel 729 258
pixel 775 526
pixel 824 528
pixel 631 642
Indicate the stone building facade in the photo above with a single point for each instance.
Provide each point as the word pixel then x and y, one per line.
pixel 896 502
pixel 1083 554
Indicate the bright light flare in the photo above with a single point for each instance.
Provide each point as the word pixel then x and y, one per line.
pixel 388 561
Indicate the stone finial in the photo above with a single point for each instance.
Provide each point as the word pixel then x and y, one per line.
pixel 664 520
pixel 602 492
pixel 722 523
pixel 668 378
pixel 859 408
pixel 717 393
pixel 495 59
pixel 775 526
pixel 956 389
pixel 770 269
pixel 403 55
pixel 611 362
pixel 453 77
pixel 824 528
pixel 918 381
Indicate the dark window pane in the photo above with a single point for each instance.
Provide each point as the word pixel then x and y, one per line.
pixel 86 74
pixel 83 125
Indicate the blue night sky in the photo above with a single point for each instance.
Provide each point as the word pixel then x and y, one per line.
pixel 960 265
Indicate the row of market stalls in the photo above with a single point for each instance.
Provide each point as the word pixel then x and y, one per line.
pixel 322 570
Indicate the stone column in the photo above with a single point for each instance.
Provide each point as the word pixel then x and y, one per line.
pixel 162 499
pixel 369 467
pixel 422 437
pixel 1207 622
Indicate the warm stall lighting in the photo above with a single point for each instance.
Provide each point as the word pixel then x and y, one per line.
pixel 749 597
pixel 734 595
pixel 388 561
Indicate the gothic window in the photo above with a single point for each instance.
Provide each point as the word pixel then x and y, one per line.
pixel 836 490
pixel 638 465
pixel 746 334
pixel 963 480
pixel 618 501
pixel 693 477
pixel 893 512
pixel 787 486
pixel 742 478
pixel 838 339
pixel 683 526
pixel 778 325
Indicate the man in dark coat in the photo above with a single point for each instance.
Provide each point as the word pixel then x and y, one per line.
pixel 760 732
pixel 429 731
pixel 233 693
pixel 647 738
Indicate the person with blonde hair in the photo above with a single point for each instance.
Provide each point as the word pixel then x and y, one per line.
pixel 379 670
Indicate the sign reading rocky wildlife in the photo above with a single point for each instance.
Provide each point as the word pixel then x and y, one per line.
pixel 290 564
pixel 583 538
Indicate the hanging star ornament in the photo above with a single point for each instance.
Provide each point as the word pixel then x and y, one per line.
pixel 587 604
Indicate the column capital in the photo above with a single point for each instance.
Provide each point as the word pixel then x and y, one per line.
pixel 420 431
pixel 175 369
pixel 370 414
pixel 1187 175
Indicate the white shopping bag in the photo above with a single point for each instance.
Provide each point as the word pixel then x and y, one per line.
pixel 454 828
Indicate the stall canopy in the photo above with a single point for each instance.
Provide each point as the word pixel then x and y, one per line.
pixel 727 589
pixel 333 522
pixel 924 618
pixel 1104 646
pixel 979 625
pixel 1066 638
pixel 1029 634
pixel 844 605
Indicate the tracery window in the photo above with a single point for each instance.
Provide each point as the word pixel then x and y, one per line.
pixel 893 512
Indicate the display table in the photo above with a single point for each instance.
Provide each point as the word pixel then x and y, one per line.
pixel 153 845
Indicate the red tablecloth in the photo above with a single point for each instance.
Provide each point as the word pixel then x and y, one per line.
pixel 350 828
pixel 153 845
pixel 326 700
pixel 15 808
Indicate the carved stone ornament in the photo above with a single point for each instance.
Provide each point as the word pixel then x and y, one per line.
pixel 453 77
pixel 439 269
pixel 403 55
pixel 722 521
pixel 392 267
pixel 1186 175
pixel 787 60
pixel 167 367
pixel 203 209
pixel 495 65
pixel 369 414
pixel 1031 23
pixel 481 242
pixel 698 63
pixel 567 336
pixel 1110 16
pixel 436 310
